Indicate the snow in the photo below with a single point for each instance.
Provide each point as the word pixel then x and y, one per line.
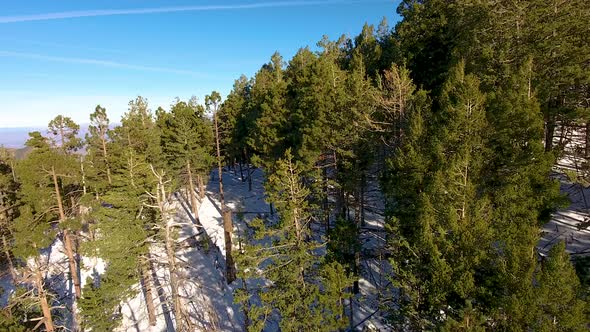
pixel 207 299
pixel 566 223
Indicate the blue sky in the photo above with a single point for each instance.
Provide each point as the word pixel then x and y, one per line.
pixel 64 57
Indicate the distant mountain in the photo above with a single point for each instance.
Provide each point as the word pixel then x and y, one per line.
pixel 21 153
pixel 16 137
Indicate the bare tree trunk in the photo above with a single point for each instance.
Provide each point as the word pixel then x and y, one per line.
pixel 170 253
pixel 201 187
pixel 229 261
pixel 249 170
pixel 191 189
pixel 12 170
pixel 67 239
pixel 83 175
pixel 9 259
pixel 293 197
pixel 149 292
pixel 106 160
pixel 326 198
pixel 363 188
pixel 227 222
pixel 47 319
pixel 587 141
pixel 549 132
pixel 219 170
pixel 174 284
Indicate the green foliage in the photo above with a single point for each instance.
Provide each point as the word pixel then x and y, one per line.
pixel 234 123
pixel 31 233
pixel 565 312
pixel 98 144
pixel 186 137
pixel 100 304
pixel 343 243
pixel 120 222
pixel 455 109
pixel 300 293
pixel 19 314
pixel 63 133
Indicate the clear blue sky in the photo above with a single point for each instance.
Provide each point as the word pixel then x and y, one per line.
pixel 64 57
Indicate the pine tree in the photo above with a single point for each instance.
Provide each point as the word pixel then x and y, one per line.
pixel 98 151
pixel 46 176
pixel 63 134
pixel 159 197
pixel 122 222
pixel 559 304
pixel 301 293
pixel 32 232
pixel 441 230
pixel 231 117
pixel 268 104
pixel 187 141
pixel 8 207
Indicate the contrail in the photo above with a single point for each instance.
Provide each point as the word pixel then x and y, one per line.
pixel 103 63
pixel 140 11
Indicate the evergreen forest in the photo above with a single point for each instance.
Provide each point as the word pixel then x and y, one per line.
pixel 397 180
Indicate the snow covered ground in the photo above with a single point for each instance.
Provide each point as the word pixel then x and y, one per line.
pixel 567 223
pixel 209 300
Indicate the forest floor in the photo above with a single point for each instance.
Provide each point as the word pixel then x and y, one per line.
pixel 569 223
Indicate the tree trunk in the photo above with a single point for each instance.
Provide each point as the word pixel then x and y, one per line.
pixel 83 175
pixel 174 285
pixel 229 261
pixel 246 308
pixel 587 141
pixel 72 263
pixel 149 292
pixel 12 170
pixel 171 255
pixel 191 189
pixel 106 160
pixel 247 157
pixel 326 198
pixel 9 259
pixel 67 239
pixel 47 319
pixel 549 132
pixel 61 134
pixel 363 186
pixel 227 222
pixel 201 187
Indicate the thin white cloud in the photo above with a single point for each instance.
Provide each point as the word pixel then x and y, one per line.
pixel 61 46
pixel 103 63
pixel 141 11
